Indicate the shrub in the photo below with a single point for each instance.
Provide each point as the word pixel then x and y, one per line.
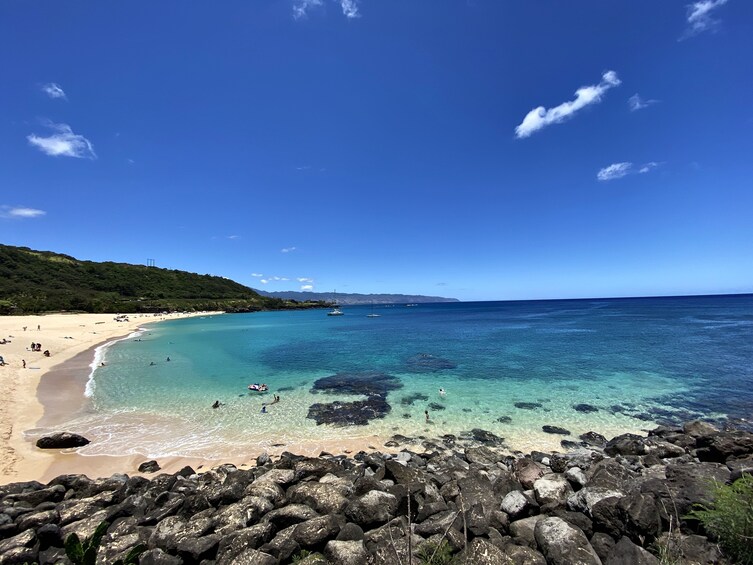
pixel 730 518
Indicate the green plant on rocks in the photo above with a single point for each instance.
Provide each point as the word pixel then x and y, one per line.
pixel 730 518
pixel 85 552
pixel 309 557
pixel 435 553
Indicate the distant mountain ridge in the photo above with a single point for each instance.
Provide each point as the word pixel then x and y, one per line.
pixel 352 298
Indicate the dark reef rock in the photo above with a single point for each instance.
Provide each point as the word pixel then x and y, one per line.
pixel 428 363
pixel 356 413
pixel 149 467
pixel 528 405
pixel 504 419
pixel 61 440
pixel 368 384
pixel 436 406
pixel 585 408
pixel 483 437
pixel 592 438
pixel 411 399
pixel 374 386
pixel 555 430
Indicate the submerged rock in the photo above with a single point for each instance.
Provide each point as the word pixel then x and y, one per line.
pixel 428 363
pixel 356 413
pixel 528 405
pixel 369 383
pixel 555 430
pixel 585 408
pixel 413 398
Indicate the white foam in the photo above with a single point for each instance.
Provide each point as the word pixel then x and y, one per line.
pixel 100 354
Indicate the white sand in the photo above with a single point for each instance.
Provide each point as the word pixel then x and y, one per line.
pixel 65 336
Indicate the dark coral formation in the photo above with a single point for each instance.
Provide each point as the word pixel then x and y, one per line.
pixel 428 363
pixel 375 386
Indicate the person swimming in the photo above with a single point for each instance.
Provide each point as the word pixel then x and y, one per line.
pixel 217 404
pixel 264 409
pixel 442 392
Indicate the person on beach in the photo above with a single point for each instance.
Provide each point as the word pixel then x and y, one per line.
pixel 2 361
pixel 24 362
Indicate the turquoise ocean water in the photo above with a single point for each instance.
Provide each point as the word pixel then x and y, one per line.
pixel 634 362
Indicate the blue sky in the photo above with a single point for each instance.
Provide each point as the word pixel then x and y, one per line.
pixel 479 149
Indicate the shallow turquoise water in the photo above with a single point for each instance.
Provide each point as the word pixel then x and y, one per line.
pixel 637 361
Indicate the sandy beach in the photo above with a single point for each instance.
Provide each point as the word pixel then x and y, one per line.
pixel 65 336
pixel 47 389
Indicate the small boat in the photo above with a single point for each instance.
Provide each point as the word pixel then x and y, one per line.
pixel 256 387
pixel 372 314
pixel 335 310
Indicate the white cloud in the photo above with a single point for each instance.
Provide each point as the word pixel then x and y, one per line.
pixel 287 249
pixel 635 103
pixel 541 117
pixel 263 281
pixel 54 91
pixel 233 237
pixel 619 170
pixel 350 8
pixel 63 143
pixel 278 278
pixel 614 171
pixel 304 280
pixel 257 275
pixel 307 287
pixel 301 7
pixel 20 212
pixel 700 18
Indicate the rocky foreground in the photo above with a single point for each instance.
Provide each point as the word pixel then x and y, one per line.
pixel 619 502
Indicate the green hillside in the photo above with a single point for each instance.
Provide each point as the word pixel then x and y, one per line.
pixel 42 281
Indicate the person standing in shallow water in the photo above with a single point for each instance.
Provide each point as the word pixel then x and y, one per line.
pixel 426 413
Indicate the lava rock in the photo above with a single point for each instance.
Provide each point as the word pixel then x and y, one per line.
pixel 555 430
pixel 61 440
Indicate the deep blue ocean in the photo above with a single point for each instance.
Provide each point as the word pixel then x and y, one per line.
pixel 610 366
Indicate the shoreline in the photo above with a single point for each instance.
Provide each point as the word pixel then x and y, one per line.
pixel 68 337
pixel 59 394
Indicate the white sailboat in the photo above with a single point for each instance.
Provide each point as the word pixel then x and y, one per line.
pixel 335 310
pixel 372 314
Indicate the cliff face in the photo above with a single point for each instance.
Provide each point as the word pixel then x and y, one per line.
pixel 621 501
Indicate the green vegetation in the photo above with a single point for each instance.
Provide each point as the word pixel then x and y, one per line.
pixel 435 554
pixel 85 553
pixel 730 518
pixel 43 281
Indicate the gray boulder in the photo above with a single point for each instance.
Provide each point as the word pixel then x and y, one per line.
pixel 627 553
pixel 345 552
pixel 374 507
pixel 481 552
pixel 552 489
pixel 564 544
